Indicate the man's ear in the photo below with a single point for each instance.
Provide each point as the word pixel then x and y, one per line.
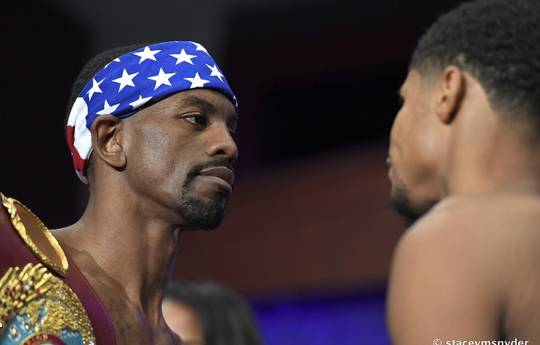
pixel 449 93
pixel 107 141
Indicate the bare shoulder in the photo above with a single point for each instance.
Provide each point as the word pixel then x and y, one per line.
pixel 478 227
pixel 462 259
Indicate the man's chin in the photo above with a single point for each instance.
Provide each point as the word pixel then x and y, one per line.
pixel 202 214
pixel 403 209
pixel 399 201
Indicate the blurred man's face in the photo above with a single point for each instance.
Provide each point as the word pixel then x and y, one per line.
pixel 182 320
pixel 416 151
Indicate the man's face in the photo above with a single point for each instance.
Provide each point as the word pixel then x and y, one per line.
pixel 180 154
pixel 416 151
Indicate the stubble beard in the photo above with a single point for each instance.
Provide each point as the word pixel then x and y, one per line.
pixel 202 214
pixel 399 201
pixel 199 213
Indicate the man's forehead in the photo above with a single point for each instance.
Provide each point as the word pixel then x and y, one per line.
pixel 205 99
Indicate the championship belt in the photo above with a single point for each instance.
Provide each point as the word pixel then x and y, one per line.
pixel 36 306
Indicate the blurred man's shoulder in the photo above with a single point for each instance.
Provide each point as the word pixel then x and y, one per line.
pixel 465 256
pixel 472 217
pixel 440 264
pixel 468 256
pixel 476 227
pixel 491 241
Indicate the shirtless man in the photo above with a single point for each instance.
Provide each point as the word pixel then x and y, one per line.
pixel 150 130
pixel 464 164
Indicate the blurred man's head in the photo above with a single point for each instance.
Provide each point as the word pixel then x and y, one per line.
pixel 480 58
pixel 205 313
pixel 156 121
pixel 183 320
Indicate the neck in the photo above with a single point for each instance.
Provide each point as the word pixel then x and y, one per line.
pixel 133 249
pixel 500 157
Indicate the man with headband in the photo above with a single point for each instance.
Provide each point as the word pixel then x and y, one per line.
pixel 464 158
pixel 150 131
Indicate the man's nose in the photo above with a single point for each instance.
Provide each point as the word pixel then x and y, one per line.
pixel 222 143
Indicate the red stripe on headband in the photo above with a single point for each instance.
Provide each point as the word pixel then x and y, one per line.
pixel 78 163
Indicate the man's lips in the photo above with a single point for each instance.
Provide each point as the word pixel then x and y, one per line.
pixel 223 173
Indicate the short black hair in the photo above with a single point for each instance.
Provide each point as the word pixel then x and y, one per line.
pixel 225 316
pixel 93 66
pixel 498 43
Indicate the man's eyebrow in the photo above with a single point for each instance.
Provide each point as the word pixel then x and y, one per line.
pixel 198 102
pixel 205 106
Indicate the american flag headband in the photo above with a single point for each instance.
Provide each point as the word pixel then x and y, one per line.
pixel 135 80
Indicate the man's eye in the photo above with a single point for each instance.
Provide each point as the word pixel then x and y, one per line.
pixel 233 129
pixel 197 120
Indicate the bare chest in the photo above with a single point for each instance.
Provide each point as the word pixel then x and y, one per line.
pixel 132 327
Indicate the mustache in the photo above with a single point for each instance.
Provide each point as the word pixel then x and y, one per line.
pixel 197 168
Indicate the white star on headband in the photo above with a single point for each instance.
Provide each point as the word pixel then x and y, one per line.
pixel 183 57
pixel 125 80
pixel 196 81
pixel 139 101
pixel 115 60
pixel 200 47
pixel 147 54
pixel 107 109
pixel 161 78
pixel 95 88
pixel 215 72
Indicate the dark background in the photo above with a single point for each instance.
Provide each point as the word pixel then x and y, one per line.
pixel 317 84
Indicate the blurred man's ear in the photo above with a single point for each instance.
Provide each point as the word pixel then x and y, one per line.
pixel 449 93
